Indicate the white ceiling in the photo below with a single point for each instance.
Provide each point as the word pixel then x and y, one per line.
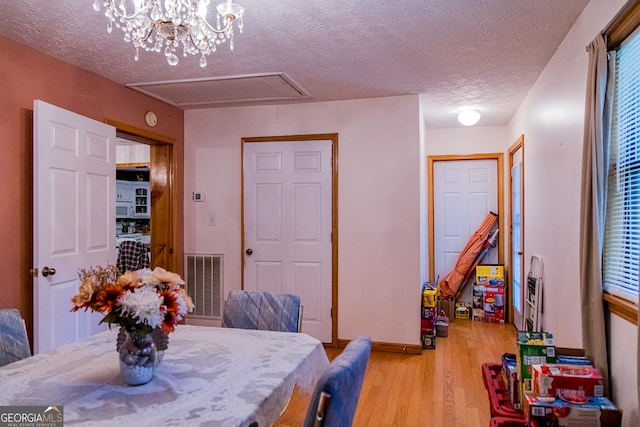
pixel 484 54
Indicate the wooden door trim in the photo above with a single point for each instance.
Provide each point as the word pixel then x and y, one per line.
pixel 518 144
pixel 163 192
pixel 500 177
pixel 333 137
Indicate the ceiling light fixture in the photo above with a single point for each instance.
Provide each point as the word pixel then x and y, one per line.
pixel 468 117
pixel 150 24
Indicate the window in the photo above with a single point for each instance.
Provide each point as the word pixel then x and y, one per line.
pixel 622 229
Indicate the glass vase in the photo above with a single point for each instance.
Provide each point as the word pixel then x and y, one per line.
pixel 138 358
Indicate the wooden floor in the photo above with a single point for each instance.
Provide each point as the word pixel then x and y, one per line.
pixel 440 388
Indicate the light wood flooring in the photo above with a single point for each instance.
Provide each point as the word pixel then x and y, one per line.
pixel 440 388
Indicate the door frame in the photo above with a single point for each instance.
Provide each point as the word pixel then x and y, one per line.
pixel 431 221
pixel 518 144
pixel 333 137
pixel 162 170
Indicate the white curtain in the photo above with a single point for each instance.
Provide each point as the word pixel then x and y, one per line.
pixel 595 164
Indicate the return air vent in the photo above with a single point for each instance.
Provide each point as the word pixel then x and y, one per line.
pixel 204 284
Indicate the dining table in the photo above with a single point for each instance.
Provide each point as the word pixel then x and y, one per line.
pixel 208 376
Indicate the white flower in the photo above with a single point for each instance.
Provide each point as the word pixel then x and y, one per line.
pixel 142 304
pixel 146 276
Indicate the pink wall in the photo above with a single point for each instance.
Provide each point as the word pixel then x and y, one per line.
pixel 378 201
pixel 25 75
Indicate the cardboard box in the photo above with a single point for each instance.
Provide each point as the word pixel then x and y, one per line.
pixel 510 378
pixel 562 359
pixel 442 325
pixel 428 341
pixel 449 308
pixel 494 304
pixel 490 275
pixel 463 310
pixel 570 382
pixel 428 313
pixel 427 327
pixel 428 321
pixel 429 296
pixel 477 310
pixel 534 348
pixel 545 411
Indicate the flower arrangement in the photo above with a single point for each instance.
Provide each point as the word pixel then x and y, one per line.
pixel 138 301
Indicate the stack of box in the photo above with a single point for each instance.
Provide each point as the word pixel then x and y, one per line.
pixel 489 294
pixel 428 315
pixel 560 390
pixel 534 348
pixel 551 389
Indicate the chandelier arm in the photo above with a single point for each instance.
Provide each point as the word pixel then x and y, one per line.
pixel 149 33
pixel 230 22
pixel 111 5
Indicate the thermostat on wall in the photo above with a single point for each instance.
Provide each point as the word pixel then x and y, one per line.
pixel 198 196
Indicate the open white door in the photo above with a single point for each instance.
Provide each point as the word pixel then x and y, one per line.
pixel 287 225
pixel 74 218
pixel 517 249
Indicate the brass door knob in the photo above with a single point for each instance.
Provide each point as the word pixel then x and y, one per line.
pixel 46 271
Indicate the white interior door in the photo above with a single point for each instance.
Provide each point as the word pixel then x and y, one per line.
pixel 465 191
pixel 74 218
pixel 287 225
pixel 517 247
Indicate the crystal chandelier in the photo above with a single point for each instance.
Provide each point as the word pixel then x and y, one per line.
pixel 175 24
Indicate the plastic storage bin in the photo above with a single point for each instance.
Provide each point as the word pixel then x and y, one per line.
pixel 501 405
pixel 506 422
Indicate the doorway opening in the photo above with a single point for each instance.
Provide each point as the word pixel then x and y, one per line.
pixel 161 194
pixel 462 190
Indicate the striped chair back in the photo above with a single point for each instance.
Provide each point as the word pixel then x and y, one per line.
pixel 14 343
pixel 262 310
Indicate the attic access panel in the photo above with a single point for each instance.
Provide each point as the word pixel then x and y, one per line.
pixel 195 93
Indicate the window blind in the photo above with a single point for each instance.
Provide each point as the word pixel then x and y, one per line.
pixel 622 228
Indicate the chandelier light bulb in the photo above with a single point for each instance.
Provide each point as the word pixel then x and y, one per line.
pixel 172 24
pixel 468 117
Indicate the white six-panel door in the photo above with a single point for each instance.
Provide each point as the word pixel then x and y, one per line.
pixel 465 191
pixel 74 218
pixel 287 225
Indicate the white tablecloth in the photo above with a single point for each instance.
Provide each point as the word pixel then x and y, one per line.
pixel 209 376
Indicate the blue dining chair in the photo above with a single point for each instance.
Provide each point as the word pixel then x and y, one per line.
pixel 336 394
pixel 262 310
pixel 14 342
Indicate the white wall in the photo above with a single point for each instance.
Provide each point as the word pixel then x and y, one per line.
pixel 468 140
pixel 465 141
pixel 378 201
pixel 551 119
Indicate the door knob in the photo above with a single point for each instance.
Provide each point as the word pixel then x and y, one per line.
pixel 46 271
pixel 249 251
pixel 519 252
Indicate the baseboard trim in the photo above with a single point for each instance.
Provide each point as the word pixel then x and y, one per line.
pixel 388 347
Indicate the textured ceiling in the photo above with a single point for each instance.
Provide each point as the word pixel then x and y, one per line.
pixel 484 54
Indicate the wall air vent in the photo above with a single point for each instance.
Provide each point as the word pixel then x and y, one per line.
pixel 203 279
